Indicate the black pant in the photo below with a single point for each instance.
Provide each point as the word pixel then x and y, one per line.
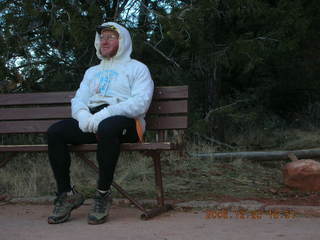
pixel 111 132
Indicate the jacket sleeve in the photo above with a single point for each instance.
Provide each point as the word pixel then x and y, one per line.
pixel 80 101
pixel 138 103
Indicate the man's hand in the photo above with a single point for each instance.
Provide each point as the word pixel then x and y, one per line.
pixel 83 119
pixel 96 119
pixel 91 124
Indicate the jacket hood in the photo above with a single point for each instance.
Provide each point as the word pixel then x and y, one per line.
pixel 125 44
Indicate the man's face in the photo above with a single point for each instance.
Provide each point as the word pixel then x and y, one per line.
pixel 109 43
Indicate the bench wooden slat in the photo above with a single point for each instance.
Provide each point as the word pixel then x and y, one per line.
pixel 157 107
pixel 166 123
pixel 35 98
pixel 41 126
pixel 34 126
pixel 172 92
pixel 35 113
pixel 90 147
pixel 178 92
pixel 168 107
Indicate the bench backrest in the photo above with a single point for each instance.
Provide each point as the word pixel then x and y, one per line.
pixel 35 112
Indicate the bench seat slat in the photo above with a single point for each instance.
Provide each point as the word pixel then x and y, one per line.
pixel 157 107
pixel 90 147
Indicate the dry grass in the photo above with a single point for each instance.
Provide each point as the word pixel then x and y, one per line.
pixel 185 177
pixel 195 178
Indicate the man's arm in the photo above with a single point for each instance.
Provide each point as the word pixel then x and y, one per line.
pixel 79 104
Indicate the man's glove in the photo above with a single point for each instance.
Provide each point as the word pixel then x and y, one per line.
pixel 83 119
pixel 96 119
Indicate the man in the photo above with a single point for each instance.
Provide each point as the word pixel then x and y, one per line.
pixel 108 109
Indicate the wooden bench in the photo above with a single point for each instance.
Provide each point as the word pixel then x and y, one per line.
pixel 30 113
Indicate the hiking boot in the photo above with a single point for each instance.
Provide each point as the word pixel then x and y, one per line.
pixel 100 209
pixel 64 204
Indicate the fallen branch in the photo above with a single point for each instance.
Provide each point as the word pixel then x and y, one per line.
pixel 261 155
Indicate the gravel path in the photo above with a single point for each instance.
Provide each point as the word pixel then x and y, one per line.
pixel 28 222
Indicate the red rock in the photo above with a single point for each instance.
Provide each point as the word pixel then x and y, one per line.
pixel 303 174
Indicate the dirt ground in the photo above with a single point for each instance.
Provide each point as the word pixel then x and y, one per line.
pixel 26 222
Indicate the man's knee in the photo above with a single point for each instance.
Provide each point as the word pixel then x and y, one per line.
pixel 56 129
pixel 110 127
pixel 53 130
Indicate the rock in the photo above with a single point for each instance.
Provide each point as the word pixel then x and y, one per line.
pixel 303 174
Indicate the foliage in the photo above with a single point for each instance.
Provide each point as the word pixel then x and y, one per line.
pixel 257 53
pixel 47 45
pixel 259 56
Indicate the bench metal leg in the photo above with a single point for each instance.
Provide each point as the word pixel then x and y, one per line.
pixel 159 189
pixel 156 211
pixel 116 186
pixel 147 214
pixel 158 178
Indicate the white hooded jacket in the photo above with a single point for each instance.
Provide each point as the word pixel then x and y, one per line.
pixel 123 83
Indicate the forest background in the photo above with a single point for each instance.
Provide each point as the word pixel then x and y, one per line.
pixel 252 66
